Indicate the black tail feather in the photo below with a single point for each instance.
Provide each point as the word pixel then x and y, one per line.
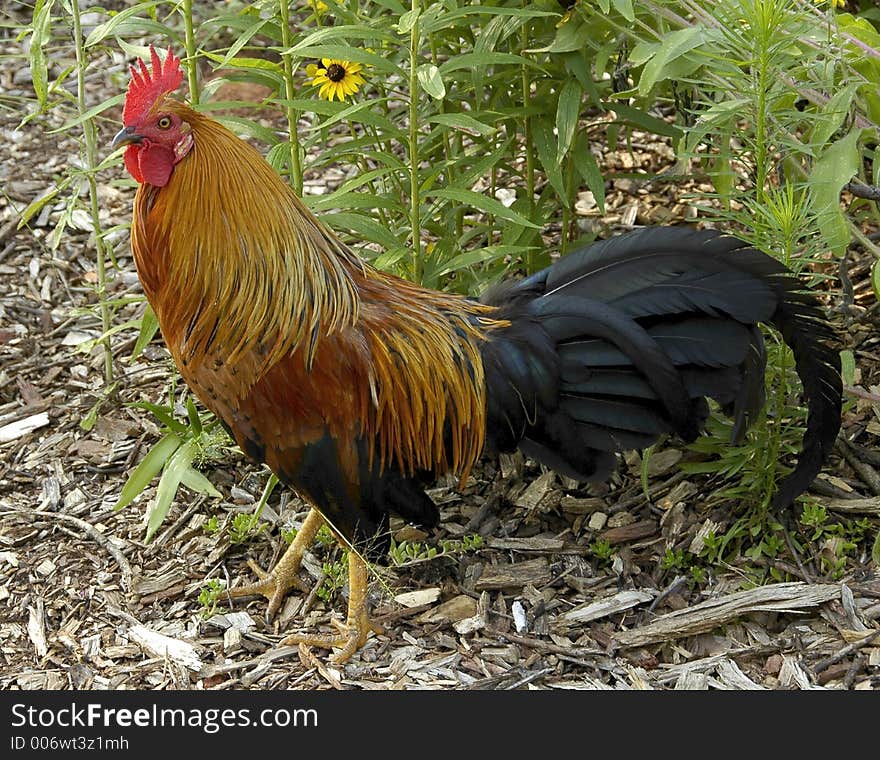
pixel 616 344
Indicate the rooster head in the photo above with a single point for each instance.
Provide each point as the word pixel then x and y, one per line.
pixel 154 131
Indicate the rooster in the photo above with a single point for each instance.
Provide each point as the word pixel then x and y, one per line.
pixel 357 388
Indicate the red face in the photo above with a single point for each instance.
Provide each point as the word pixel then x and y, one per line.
pixel 155 144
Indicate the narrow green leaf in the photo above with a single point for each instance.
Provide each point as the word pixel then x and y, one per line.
pixel 195 422
pixel 483 203
pixel 175 467
pixel 674 45
pixel 196 481
pixel 90 114
pixel 244 62
pixel 363 226
pixel 103 31
pixel 462 121
pixel 477 256
pixel 625 9
pixel 644 120
pixel 834 112
pixel 349 53
pixel 41 33
pixel 835 167
pixel 545 145
pixel 149 327
pixel 408 21
pixel 848 363
pixel 147 469
pixel 587 166
pixel 342 32
pixel 484 59
pixel 567 112
pixel 431 81
pixel 165 415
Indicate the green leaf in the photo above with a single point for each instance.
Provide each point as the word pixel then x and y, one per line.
pixel 587 166
pixel 147 469
pixel 431 81
pixel 149 327
pixel 475 257
pixel 463 122
pixel 644 120
pixel 408 21
pixel 483 203
pixel 671 47
pixel 848 362
pixel 836 166
pixel 103 31
pixel 834 112
pixel 363 226
pixel 175 468
pixel 41 33
pixel 568 110
pixel 875 550
pixel 90 114
pixel 545 144
pixel 875 278
pixel 342 32
pixel 445 21
pixel 348 53
pixel 483 59
pixel 244 62
pixel 625 9
pixel 196 481
pixel 195 422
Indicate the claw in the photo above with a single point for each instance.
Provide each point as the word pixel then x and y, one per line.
pixel 276 584
pixel 355 631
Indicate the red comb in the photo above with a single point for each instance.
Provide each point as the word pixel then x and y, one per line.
pixel 146 86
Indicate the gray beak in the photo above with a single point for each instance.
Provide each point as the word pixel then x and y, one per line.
pixel 125 136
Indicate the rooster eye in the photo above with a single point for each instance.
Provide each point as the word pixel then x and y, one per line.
pixel 164 122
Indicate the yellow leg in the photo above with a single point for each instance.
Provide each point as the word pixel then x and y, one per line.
pixel 285 575
pixel 353 633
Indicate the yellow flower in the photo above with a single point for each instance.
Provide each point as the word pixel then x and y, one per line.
pixel 337 78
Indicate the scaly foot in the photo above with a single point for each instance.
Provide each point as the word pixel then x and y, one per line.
pixel 285 575
pixel 353 633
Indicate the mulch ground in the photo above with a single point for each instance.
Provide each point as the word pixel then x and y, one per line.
pixel 85 603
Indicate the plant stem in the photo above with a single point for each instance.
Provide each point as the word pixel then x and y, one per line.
pixel 296 172
pixel 526 84
pixel 90 138
pixel 414 218
pixel 191 72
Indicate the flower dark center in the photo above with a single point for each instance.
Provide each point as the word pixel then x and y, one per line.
pixel 335 72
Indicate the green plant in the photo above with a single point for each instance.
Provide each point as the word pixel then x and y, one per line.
pixel 335 575
pixel 209 597
pixel 602 550
pixel 244 527
pixel 406 553
pixel 212 525
pixel 184 445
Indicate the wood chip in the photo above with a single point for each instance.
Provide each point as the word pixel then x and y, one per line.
pixel 703 617
pixel 160 645
pixel 451 611
pixel 20 428
pixel 418 598
pixel 534 571
pixel 36 629
pixel 623 600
